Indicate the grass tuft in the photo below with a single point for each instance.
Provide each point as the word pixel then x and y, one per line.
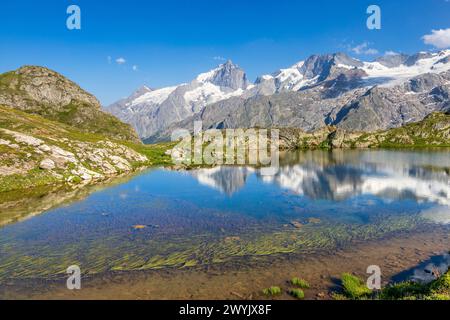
pixel 297 293
pixel 301 283
pixel 272 291
pixel 354 287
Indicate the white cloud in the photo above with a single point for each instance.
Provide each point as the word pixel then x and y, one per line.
pixel 371 51
pixel 363 48
pixel 135 68
pixel 219 58
pixel 438 38
pixel 120 60
pixel 391 53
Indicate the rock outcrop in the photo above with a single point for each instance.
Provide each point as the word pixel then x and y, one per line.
pixel 35 151
pixel 44 92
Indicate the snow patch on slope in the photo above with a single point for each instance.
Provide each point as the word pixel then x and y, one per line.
pixel 389 77
pixel 153 97
pixel 209 93
pixel 207 76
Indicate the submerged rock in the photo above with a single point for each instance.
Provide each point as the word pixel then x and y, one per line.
pixel 296 224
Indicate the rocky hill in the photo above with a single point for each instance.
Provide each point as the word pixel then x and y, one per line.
pixel 44 92
pixel 433 131
pixel 53 133
pixel 36 151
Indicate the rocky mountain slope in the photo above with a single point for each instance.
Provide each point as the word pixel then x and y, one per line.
pixel 53 133
pixel 433 131
pixel 150 111
pixel 40 152
pixel 43 92
pixel 332 89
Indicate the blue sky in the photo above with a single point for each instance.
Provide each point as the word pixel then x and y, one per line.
pixel 171 41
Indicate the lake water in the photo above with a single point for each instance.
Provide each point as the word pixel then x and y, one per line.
pixel 318 201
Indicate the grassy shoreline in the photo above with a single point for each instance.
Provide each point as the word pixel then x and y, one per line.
pixel 28 139
pixel 354 288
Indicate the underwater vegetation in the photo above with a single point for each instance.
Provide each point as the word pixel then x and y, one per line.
pixel 149 248
pixel 297 293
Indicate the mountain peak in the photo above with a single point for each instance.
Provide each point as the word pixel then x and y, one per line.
pixel 30 69
pixel 227 75
pixel 142 90
pixel 229 63
pixel 321 65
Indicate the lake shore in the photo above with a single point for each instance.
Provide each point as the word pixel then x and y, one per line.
pixel 234 281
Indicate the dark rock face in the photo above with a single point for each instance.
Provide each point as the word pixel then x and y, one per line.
pixel 425 82
pixel 393 60
pixel 444 60
pixel 441 93
pixel 416 57
pixel 322 66
pixel 230 76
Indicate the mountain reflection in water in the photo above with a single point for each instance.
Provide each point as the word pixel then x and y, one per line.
pixel 339 175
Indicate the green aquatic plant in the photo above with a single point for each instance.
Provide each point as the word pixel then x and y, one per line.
pixel 187 250
pixel 272 291
pixel 297 293
pixel 354 287
pixel 301 283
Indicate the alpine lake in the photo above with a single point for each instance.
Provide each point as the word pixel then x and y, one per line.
pixel 227 232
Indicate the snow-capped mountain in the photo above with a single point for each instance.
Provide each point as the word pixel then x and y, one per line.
pixel 331 89
pixel 305 73
pixel 386 71
pixel 336 90
pixel 152 110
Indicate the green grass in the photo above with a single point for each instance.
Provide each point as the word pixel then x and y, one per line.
pixel 354 287
pixel 403 290
pixel 297 293
pixel 438 289
pixel 154 152
pixel 272 291
pixel 301 283
pixel 33 179
pixel 441 285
